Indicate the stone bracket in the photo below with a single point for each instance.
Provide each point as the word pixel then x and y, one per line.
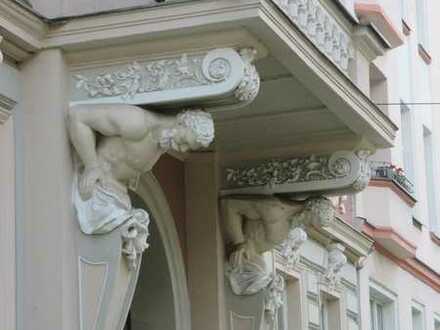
pixel 331 174
pixel 211 79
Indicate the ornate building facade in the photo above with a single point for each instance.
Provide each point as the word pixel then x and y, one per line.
pixel 220 165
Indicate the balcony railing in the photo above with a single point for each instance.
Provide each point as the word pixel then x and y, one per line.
pixel 390 172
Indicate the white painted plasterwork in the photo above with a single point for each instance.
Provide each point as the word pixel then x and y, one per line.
pixel 220 76
pixel 6 107
pixel 128 148
pixel 289 249
pixel 274 297
pixel 342 171
pixel 313 19
pixel 336 260
pixel 256 225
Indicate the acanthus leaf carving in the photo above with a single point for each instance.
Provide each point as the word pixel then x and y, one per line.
pixel 218 73
pixel 340 172
pixel 321 28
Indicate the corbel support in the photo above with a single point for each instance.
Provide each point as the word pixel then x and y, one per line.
pixel 331 174
pixel 212 79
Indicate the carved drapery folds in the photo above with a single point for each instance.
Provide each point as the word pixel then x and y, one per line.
pixel 321 28
pixel 257 225
pixel 274 297
pixel 337 173
pixel 217 78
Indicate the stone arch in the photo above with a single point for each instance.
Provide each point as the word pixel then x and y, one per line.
pixel 152 195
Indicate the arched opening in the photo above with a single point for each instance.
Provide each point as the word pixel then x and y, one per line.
pixel 161 299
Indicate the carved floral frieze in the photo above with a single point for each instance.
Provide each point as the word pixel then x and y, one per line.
pixel 211 76
pixel 342 171
pixel 313 19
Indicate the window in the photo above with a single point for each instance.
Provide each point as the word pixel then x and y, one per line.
pixel 422 23
pixel 330 312
pixel 407 150
pixel 430 180
pixel 437 323
pixel 382 308
pixel 418 317
pixel 377 318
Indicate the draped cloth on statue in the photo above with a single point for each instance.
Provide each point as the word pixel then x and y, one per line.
pixel 108 208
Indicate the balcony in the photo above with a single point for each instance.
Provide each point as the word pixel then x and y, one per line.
pixel 385 171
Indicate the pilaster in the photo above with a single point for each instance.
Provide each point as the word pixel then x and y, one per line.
pixel 48 268
pixel 205 244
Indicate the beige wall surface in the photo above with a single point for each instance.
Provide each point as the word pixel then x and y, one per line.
pixel 10 88
pixel 7 226
pixel 170 173
pixel 57 8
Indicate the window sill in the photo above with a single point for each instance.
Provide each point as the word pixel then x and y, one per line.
pixel 406 28
pixel 424 54
pixel 397 189
pixel 435 238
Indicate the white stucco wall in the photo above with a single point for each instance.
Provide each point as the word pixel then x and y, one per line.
pixel 9 87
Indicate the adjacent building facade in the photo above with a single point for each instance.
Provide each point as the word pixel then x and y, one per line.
pixel 313 203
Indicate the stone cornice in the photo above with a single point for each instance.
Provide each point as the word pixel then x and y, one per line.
pixel 23 31
pixel 6 107
pixel 360 105
pixel 313 19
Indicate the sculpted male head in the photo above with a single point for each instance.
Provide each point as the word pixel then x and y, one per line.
pixel 194 130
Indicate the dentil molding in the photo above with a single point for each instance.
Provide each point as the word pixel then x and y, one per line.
pixel 337 173
pixel 216 78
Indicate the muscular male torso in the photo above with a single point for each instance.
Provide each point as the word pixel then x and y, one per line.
pixel 125 159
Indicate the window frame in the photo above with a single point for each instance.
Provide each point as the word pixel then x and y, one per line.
pixel 420 309
pixel 388 300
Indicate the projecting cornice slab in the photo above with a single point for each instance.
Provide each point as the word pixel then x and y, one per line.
pixel 215 78
pixel 337 173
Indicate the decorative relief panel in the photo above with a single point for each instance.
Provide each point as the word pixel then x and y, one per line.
pixel 319 26
pixel 342 171
pixel 216 78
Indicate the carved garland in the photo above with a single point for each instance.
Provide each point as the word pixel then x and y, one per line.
pixel 340 171
pixel 176 73
pixel 324 32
